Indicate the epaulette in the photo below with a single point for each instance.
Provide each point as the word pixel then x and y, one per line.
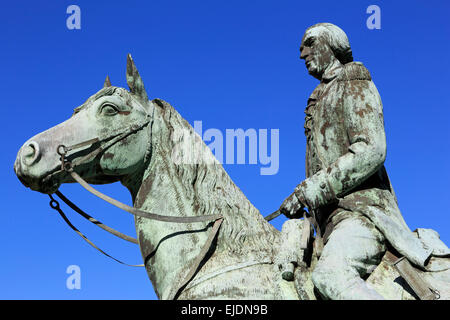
pixel 354 71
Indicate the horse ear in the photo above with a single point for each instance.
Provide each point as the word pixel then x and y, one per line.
pixel 134 80
pixel 107 82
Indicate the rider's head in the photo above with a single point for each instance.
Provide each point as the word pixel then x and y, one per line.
pixel 321 45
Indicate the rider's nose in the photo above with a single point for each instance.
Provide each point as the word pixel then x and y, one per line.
pixel 304 53
pixel 30 153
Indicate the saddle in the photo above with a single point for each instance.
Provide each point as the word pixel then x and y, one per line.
pixel 395 278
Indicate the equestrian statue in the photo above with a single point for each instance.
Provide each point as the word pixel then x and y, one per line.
pixel 201 238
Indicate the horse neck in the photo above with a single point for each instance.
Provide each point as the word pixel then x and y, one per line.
pixel 191 190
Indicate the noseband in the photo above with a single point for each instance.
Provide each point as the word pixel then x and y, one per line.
pixel 68 167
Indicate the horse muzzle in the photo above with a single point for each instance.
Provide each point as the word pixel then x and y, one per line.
pixel 32 170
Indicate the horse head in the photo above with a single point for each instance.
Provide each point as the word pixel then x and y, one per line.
pixel 106 139
pixel 119 135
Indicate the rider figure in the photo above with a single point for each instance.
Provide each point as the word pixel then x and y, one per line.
pixel 347 189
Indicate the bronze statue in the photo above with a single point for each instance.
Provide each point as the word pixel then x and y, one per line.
pixel 201 238
pixel 347 190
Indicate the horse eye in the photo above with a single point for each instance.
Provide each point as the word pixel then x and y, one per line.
pixel 109 109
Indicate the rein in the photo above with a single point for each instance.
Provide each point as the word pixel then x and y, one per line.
pixel 68 166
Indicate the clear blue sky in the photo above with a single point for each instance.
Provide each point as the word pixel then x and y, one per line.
pixel 231 64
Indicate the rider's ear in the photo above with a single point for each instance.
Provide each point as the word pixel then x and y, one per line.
pixel 134 80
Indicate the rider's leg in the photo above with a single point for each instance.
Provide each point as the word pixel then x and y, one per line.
pixel 354 248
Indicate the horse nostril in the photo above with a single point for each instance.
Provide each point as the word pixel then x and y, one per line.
pixel 30 153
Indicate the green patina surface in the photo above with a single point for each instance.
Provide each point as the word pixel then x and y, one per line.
pixel 347 191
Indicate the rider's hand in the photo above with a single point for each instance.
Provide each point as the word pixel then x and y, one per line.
pixel 292 207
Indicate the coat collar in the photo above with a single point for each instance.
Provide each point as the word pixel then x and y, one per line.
pixel 332 71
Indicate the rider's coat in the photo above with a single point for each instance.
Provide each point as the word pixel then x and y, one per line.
pixel 346 149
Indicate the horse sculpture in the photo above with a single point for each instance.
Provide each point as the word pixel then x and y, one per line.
pixel 233 253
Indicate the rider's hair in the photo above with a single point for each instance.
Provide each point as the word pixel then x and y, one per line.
pixel 336 39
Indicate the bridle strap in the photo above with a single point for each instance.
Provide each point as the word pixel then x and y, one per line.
pixel 55 205
pixel 139 212
pixel 176 289
pixel 99 224
pixel 198 260
pixel 68 167
pixel 110 140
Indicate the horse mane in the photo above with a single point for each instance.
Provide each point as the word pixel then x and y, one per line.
pixel 210 188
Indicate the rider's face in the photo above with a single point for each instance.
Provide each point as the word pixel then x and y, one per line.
pixel 317 54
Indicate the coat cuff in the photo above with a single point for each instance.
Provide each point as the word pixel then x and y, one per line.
pixel 316 191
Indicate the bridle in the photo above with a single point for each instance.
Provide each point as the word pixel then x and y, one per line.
pixel 109 140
